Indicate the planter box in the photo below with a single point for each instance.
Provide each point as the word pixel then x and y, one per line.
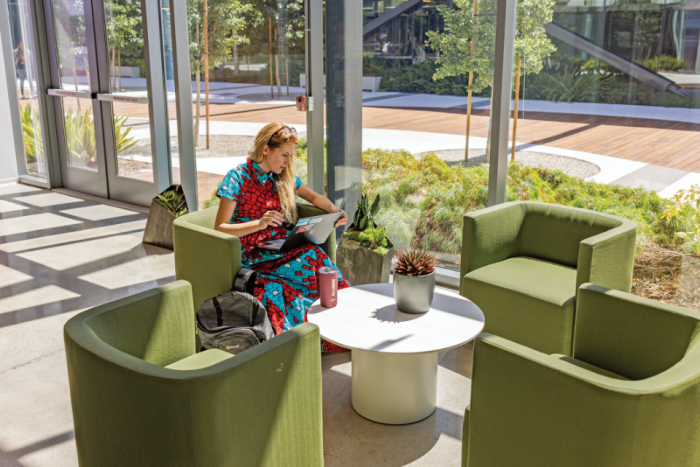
pixel 361 265
pixel 127 71
pixel 159 226
pixel 369 82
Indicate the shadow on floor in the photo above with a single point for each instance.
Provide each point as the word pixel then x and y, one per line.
pixel 351 440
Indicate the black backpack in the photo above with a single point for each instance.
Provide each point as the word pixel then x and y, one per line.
pixel 233 322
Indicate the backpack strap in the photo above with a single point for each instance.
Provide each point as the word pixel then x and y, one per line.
pixel 219 312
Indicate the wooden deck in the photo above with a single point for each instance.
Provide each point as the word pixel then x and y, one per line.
pixel 669 144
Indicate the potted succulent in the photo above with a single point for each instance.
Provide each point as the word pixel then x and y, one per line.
pixel 414 280
pixel 165 208
pixel 364 252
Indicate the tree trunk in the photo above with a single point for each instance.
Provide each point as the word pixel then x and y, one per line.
pixel 515 115
pixel 206 64
pixel 272 89
pixel 119 53
pixel 75 79
pixel 197 106
pixel 113 68
pixel 469 94
pixel 277 74
pixel 286 69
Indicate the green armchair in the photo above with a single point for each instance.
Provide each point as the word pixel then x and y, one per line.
pixel 628 396
pixel 142 397
pixel 522 263
pixel 209 259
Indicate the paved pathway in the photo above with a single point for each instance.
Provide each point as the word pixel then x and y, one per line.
pixel 654 147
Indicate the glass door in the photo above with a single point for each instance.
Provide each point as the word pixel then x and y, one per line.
pixel 103 79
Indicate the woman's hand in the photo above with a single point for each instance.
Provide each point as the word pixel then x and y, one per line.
pixel 343 220
pixel 271 218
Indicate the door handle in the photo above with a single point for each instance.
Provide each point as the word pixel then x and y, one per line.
pixel 64 93
pixel 115 98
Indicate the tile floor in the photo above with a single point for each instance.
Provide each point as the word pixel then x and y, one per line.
pixel 60 255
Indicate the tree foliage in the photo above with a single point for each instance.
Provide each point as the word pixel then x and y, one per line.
pixel 124 26
pixel 226 20
pixel 461 26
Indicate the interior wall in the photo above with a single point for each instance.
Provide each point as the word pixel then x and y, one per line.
pixel 8 130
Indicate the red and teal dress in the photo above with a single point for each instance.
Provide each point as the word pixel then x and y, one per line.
pixel 287 283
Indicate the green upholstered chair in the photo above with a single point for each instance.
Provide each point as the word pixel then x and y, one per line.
pixel 260 408
pixel 628 396
pixel 209 259
pixel 522 263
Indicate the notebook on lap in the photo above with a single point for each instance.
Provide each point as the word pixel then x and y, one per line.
pixel 307 230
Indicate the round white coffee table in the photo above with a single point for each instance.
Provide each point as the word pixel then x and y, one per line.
pixel 395 354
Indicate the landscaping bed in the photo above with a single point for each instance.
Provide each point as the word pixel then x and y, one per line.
pixel 424 201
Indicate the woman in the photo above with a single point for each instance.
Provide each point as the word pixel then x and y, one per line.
pixel 21 67
pixel 258 203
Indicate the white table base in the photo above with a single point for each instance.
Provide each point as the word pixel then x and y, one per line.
pixel 394 389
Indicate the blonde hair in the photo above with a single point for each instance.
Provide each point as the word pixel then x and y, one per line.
pixel 285 182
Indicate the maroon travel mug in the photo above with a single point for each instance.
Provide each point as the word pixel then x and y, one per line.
pixel 328 286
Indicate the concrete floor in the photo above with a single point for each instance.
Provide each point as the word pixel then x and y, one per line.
pixel 60 255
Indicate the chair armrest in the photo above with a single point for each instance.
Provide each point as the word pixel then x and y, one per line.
pixel 528 408
pixel 607 259
pixel 308 210
pixel 632 336
pixel 206 258
pixel 269 398
pixel 490 235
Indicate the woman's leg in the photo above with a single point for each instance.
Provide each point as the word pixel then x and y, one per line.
pixel 22 75
pixel 287 287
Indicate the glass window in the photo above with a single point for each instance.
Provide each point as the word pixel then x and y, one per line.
pixel 24 54
pixel 416 76
pixel 71 44
pixel 127 58
pixel 608 121
pixel 255 72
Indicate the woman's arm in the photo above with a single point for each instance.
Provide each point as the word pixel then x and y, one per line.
pixel 225 212
pixel 322 202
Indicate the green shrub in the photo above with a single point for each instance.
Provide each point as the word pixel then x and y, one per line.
pixel 665 63
pixel 373 238
pixel 31 126
pixel 173 201
pixel 573 86
pixel 405 76
pixel 424 201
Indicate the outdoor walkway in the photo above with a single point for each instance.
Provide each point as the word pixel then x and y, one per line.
pixel 654 147
pixel 60 255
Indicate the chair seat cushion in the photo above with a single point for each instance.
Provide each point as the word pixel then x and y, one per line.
pixel 200 360
pixel 526 300
pixel 589 367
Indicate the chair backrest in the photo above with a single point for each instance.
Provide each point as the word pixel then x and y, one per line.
pixel 156 326
pixel 635 337
pixel 204 218
pixel 554 233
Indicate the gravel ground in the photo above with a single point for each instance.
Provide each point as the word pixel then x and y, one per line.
pixel 224 146
pixel 568 165
pixel 220 146
pixel 129 167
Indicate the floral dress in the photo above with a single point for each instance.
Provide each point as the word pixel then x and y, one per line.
pixel 287 283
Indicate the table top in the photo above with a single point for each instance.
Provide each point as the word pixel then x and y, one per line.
pixel 366 318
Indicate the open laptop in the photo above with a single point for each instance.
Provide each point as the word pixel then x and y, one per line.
pixel 308 230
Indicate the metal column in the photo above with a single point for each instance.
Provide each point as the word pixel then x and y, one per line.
pixel 183 99
pixel 344 102
pixel 157 94
pixel 314 94
pixel 500 101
